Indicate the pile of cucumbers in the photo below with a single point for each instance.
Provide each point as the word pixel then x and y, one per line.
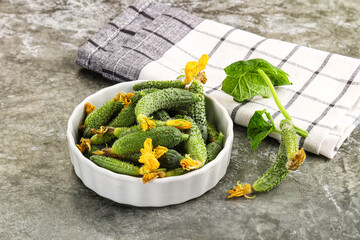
pixel 112 137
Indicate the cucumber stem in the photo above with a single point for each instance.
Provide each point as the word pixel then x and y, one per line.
pixel 299 131
pixel 273 92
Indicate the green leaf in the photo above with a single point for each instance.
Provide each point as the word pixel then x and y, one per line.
pixel 243 81
pixel 259 128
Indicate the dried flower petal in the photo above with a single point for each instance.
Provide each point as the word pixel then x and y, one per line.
pixel 89 108
pixel 240 190
pixel 152 175
pixel 188 164
pixel 297 160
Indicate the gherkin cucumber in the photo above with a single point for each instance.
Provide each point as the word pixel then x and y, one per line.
pixel 126 117
pixel 275 174
pixel 159 84
pixel 195 145
pixel 197 109
pixel 164 136
pixel 116 165
pixel 161 115
pixel 170 160
pixel 163 99
pixel 212 132
pixel 99 117
pixel 214 147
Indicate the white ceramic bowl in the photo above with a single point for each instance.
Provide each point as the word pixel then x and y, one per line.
pixel 159 192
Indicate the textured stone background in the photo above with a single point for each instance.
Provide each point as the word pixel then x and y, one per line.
pixel 42 198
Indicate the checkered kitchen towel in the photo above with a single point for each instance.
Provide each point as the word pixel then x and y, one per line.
pixel 150 40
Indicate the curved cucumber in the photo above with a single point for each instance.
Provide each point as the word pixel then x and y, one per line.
pixel 165 98
pixel 212 132
pixel 99 117
pixel 126 117
pixel 115 165
pixel 278 171
pixel 164 136
pixel 195 145
pixel 275 174
pixel 159 84
pixel 161 115
pixel 214 147
pixel 197 109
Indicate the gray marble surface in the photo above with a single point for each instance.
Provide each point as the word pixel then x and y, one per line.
pixel 42 198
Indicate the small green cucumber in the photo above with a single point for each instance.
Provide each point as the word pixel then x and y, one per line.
pixel 99 117
pixel 116 165
pixel 102 138
pixel 275 174
pixel 164 136
pixel 176 172
pixel 288 133
pixel 170 160
pixel 214 147
pixel 197 110
pixel 195 145
pixel 278 171
pixel 163 99
pixel 126 117
pixel 159 84
pixel 161 115
pixel 212 132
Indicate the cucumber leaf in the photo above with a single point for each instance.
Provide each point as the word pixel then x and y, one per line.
pixel 259 128
pixel 243 80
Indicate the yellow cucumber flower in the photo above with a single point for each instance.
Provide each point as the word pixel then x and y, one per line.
pixel 145 122
pixel 84 143
pixel 240 190
pixel 152 175
pixel 149 156
pixel 179 123
pixel 188 164
pixel 126 98
pixel 295 162
pixel 193 68
pixel 89 108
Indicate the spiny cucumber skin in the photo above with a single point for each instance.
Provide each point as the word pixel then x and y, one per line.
pixel 275 174
pixel 214 147
pixel 105 138
pixel 176 172
pixel 132 157
pixel 164 136
pixel 197 110
pixel 195 145
pixel 288 134
pixel 117 109
pixel 99 117
pixel 122 131
pixel 212 132
pixel 159 84
pixel 161 115
pixel 126 117
pixel 115 165
pixel 163 99
pixel 171 159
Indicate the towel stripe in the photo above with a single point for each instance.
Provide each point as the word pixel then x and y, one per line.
pixel 142 13
pixel 307 83
pixel 116 75
pixel 332 104
pixel 283 61
pixel 247 56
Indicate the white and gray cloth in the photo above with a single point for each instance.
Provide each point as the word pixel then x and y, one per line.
pixel 150 40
